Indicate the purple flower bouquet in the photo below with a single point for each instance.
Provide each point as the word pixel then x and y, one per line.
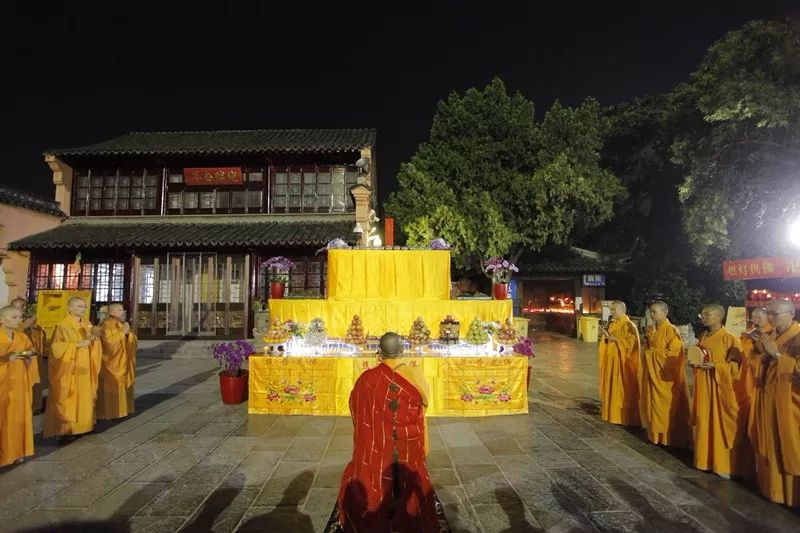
pixel 232 356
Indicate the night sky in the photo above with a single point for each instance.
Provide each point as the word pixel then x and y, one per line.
pixel 77 75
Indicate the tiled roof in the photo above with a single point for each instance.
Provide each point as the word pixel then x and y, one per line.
pixel 569 261
pixel 83 235
pixel 226 142
pixel 28 201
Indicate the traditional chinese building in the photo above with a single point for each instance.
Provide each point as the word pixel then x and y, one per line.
pixel 555 287
pixel 21 214
pixel 765 279
pixel 176 224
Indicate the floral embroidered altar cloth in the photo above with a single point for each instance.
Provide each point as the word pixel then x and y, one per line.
pixel 459 386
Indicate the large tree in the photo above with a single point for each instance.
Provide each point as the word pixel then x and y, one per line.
pixel 492 180
pixel 742 165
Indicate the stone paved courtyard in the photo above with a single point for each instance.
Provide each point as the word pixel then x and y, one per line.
pixel 188 462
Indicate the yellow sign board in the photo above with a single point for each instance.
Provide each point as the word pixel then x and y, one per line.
pixel 736 320
pixel 51 307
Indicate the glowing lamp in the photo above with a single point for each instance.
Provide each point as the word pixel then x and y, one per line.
pixel 794 232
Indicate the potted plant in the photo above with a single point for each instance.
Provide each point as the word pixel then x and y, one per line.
pixel 233 378
pixel 499 270
pixel 525 347
pixel 279 267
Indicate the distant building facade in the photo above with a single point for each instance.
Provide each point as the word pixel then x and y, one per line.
pixel 21 215
pixel 176 224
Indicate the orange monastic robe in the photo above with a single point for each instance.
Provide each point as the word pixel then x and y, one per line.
pixel 745 388
pixel 720 430
pixel 16 381
pixel 74 374
pixel 665 401
pixel 619 374
pixel 39 339
pixel 775 420
pixel 118 371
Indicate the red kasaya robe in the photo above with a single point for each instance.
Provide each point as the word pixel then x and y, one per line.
pixel 386 487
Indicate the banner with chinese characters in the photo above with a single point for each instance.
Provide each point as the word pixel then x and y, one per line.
pixel 761 268
pixel 213 176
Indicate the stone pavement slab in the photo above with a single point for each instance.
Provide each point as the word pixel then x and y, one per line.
pixel 187 462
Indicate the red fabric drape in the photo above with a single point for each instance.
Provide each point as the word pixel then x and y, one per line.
pixel 378 494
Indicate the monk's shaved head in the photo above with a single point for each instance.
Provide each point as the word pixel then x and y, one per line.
pixel 8 310
pixel 759 311
pixel 115 305
pixel 715 308
pixel 781 306
pixel 620 304
pixel 75 299
pixel 661 305
pixel 391 345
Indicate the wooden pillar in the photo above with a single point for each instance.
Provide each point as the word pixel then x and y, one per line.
pixel 135 289
pixel 211 308
pixel 156 292
pixel 227 293
pixel 250 294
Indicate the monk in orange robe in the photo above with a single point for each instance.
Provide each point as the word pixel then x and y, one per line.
pixel 619 369
pixel 118 370
pixel 18 373
pixel 745 384
pixel 720 430
pixel 386 486
pixel 665 401
pixel 75 357
pixel 39 339
pixel 775 414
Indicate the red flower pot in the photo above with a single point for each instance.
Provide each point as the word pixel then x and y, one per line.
pixel 500 291
pixel 276 289
pixel 233 388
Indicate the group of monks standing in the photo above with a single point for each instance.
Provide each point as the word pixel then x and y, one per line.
pixel 743 419
pixel 90 371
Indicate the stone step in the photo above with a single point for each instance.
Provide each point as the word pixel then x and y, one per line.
pixel 176 349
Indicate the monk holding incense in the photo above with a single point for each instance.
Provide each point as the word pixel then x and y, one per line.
pixel 775 415
pixel 39 339
pixel 74 365
pixel 18 373
pixel 619 369
pixel 720 442
pixel 386 486
pixel 665 402
pixel 118 370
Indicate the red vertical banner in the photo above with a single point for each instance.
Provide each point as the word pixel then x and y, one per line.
pixel 388 231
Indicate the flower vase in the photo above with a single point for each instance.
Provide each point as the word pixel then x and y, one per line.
pixel 276 289
pixel 233 388
pixel 500 291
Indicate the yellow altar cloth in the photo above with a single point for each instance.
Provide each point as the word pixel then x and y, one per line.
pixel 388 274
pixel 380 316
pixel 460 386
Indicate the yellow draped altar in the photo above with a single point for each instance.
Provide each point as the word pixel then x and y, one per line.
pixel 388 274
pixel 460 386
pixel 380 316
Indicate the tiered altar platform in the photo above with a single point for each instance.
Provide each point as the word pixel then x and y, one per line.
pixel 388 289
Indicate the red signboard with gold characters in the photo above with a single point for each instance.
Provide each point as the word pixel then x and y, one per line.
pixel 762 268
pixel 213 176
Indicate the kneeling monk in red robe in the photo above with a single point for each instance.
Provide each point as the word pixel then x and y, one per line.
pixel 386 487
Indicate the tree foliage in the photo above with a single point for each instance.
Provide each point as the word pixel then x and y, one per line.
pixel 493 181
pixel 742 163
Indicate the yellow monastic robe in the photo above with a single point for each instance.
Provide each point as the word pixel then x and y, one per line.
pixel 118 371
pixel 16 381
pixel 665 400
pixel 39 339
pixel 720 430
pixel 619 374
pixel 74 374
pixel 775 420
